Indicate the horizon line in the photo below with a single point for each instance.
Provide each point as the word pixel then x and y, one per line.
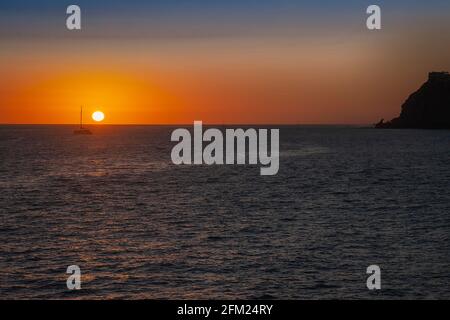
pixel 186 124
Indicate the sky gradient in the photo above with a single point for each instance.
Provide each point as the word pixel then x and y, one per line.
pixel 170 62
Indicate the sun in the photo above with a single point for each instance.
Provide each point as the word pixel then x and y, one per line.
pixel 98 116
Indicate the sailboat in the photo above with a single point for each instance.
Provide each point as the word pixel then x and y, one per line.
pixel 81 130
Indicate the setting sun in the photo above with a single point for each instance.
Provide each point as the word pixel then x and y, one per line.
pixel 98 116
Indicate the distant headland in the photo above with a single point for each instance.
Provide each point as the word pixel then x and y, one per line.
pixel 427 108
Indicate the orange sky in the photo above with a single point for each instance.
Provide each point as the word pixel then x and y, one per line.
pixel 353 78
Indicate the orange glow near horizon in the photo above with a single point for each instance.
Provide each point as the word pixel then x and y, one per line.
pixel 220 81
pixel 55 99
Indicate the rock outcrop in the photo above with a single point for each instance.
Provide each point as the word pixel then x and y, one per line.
pixel 427 108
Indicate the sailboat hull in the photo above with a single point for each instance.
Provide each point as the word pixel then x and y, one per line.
pixel 82 132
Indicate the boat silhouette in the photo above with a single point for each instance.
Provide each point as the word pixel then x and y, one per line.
pixel 82 130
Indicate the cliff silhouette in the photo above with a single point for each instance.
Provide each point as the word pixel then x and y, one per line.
pixel 427 108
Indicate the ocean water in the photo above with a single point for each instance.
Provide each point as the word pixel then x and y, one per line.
pixel 140 227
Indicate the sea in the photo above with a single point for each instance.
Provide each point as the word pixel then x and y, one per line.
pixel 139 227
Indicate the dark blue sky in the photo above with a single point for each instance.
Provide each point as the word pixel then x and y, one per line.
pixel 205 17
pixel 249 8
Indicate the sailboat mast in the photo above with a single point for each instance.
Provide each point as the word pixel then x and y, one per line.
pixel 81 130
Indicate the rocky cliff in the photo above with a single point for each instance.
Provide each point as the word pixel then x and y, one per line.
pixel 427 108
